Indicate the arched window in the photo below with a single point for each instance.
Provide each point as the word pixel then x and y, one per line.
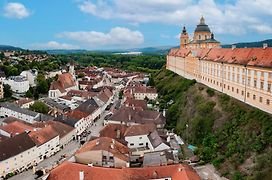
pixel 199 37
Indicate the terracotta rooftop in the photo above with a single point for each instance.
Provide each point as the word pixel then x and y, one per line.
pixel 16 127
pixel 105 143
pixel 77 114
pixel 23 101
pixel 69 170
pixel 43 135
pixel 141 104
pixel 261 57
pixel 142 129
pixel 80 93
pixel 113 130
pixel 61 128
pixel 64 81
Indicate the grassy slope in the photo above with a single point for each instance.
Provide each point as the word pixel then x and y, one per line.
pixel 233 136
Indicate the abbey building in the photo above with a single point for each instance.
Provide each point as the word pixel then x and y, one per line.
pixel 243 73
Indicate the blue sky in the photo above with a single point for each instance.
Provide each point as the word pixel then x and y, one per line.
pixel 107 24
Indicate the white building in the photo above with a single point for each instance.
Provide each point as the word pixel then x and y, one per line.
pixel 18 84
pixel 47 141
pixel 31 76
pixel 144 138
pixel 14 159
pixel 8 109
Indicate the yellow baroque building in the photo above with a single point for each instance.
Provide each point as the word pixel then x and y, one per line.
pixel 203 37
pixel 243 73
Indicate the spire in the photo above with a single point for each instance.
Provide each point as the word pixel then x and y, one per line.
pixel 184 30
pixel 212 36
pixel 202 20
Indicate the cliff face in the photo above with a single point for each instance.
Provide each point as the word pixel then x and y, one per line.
pixel 234 137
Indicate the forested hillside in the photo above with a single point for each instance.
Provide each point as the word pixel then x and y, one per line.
pixel 234 137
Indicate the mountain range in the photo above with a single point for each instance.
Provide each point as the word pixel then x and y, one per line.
pixel 159 50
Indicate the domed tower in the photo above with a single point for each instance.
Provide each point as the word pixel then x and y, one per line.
pixel 184 38
pixel 202 31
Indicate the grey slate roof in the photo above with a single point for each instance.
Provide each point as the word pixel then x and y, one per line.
pixel 16 108
pixel 88 106
pixel 155 139
pixel 128 114
pixel 66 120
pixel 54 104
pixel 158 158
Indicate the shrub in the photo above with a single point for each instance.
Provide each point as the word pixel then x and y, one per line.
pixel 210 92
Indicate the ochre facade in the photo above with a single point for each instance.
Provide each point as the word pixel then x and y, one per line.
pixel 203 37
pixel 243 73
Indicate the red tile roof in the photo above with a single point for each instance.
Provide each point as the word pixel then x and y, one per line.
pixel 43 135
pixel 105 143
pixel 141 104
pixel 23 101
pixel 141 129
pixel 64 81
pixel 261 57
pixel 111 131
pixel 80 93
pixel 16 127
pixel 69 170
pixel 61 128
pixel 77 114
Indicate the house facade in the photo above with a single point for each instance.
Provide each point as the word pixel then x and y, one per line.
pixel 14 159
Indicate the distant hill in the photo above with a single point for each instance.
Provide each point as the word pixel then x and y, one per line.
pixel 9 48
pixel 160 50
pixel 64 51
pixel 250 44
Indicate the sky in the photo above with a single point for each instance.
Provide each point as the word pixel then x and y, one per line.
pixel 123 24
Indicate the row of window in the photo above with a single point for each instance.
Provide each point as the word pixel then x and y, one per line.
pixel 237 91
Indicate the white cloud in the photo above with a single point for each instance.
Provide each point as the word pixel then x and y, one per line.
pixel 16 10
pixel 54 45
pixel 226 17
pixel 118 36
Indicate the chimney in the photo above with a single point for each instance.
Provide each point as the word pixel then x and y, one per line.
pixel 97 142
pixel 179 169
pixel 233 46
pixel 265 45
pixel 118 134
pixel 113 141
pixel 129 117
pixel 112 146
pixel 81 175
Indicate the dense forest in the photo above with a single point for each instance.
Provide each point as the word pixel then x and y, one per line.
pixel 143 63
pixel 234 137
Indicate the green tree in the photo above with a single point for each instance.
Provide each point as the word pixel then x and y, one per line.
pixel 7 91
pixel 42 86
pixel 81 75
pixel 39 107
pixel 29 93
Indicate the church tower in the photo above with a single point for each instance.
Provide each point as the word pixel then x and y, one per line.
pixel 72 68
pixel 184 38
